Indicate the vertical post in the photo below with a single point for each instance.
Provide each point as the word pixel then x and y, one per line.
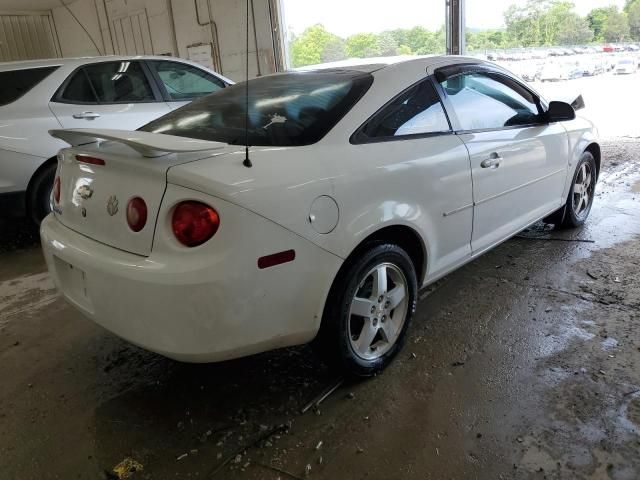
pixel 455 26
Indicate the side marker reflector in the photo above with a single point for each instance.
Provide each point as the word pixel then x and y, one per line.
pixel 276 259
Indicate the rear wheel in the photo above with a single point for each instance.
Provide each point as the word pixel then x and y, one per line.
pixel 39 194
pixel 369 310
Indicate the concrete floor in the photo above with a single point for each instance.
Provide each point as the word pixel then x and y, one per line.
pixel 523 364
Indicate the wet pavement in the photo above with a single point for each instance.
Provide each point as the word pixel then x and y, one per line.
pixel 523 365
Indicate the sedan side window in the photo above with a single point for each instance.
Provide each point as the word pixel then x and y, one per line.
pixel 418 111
pixel 108 83
pixel 120 82
pixel 485 101
pixel 185 82
pixel 78 89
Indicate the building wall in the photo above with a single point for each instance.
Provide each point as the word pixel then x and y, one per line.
pixel 104 19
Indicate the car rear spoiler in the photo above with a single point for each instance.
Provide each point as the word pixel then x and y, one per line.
pixel 145 143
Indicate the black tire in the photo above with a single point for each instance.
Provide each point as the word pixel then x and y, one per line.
pixel 568 216
pixel 335 341
pixel 39 193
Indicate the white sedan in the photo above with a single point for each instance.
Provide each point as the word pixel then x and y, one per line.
pixel 101 92
pixel 362 185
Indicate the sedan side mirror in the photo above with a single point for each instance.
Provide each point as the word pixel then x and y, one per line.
pixel 560 112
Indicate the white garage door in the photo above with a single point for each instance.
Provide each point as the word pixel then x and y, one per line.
pixel 133 35
pixel 27 36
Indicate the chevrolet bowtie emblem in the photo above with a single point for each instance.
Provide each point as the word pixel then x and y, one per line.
pixel 84 191
pixel 112 205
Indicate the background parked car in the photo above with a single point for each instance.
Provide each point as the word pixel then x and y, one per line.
pixel 625 66
pixel 105 92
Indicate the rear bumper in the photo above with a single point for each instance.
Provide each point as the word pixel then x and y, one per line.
pixel 199 305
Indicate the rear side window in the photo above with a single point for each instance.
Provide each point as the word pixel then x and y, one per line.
pixel 417 111
pixel 109 82
pixel 16 83
pixel 185 82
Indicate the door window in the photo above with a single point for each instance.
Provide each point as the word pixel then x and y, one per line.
pixel 184 82
pixel 416 112
pixel 108 83
pixel 485 101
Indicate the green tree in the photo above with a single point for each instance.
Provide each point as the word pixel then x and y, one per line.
pixel 404 50
pixel 388 44
pixel 363 45
pixel 574 30
pixel 617 27
pixel 309 48
pixel 633 14
pixel 610 24
pixel 546 22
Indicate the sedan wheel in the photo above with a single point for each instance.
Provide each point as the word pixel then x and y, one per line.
pixel 369 310
pixel 580 200
pixel 378 311
pixel 583 188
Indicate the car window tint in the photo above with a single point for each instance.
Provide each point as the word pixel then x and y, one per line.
pixel 78 89
pixel 489 101
pixel 119 82
pixel 16 83
pixel 415 112
pixel 185 82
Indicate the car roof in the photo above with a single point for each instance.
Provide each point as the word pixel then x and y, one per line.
pixel 55 62
pixel 370 65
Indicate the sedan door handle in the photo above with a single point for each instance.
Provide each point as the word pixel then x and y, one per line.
pixel 86 116
pixel 492 162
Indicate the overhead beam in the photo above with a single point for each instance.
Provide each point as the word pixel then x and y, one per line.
pixel 455 26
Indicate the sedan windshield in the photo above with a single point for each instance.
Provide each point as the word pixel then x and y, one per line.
pixel 289 109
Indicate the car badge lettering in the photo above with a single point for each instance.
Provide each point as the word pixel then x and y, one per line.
pixel 85 191
pixel 112 205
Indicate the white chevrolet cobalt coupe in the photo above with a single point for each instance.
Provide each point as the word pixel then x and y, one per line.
pixel 362 185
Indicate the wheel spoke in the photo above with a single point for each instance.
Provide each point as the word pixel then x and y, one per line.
pixel 361 307
pixel 396 296
pixel 367 334
pixel 583 171
pixel 578 188
pixel 389 330
pixel 587 181
pixel 380 281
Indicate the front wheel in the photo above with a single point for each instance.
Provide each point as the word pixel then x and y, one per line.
pixel 369 310
pixel 581 195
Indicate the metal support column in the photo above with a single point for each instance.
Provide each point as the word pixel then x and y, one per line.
pixel 455 26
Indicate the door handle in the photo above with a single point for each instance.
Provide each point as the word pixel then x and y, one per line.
pixel 86 116
pixel 493 161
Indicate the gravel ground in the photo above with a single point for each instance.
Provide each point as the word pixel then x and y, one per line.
pixel 523 364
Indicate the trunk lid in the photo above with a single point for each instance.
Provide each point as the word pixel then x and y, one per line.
pixel 94 198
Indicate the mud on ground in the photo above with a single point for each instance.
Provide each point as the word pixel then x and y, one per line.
pixel 523 364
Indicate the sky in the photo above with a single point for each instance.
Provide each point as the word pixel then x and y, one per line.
pixel 346 17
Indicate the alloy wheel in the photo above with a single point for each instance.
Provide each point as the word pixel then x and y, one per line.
pixel 583 191
pixel 378 311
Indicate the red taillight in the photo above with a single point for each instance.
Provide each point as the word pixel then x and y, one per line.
pixel 89 160
pixel 194 223
pixel 136 214
pixel 56 190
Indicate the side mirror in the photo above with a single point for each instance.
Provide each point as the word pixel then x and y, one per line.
pixel 560 112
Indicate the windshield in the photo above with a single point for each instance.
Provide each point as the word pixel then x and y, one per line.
pixel 289 109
